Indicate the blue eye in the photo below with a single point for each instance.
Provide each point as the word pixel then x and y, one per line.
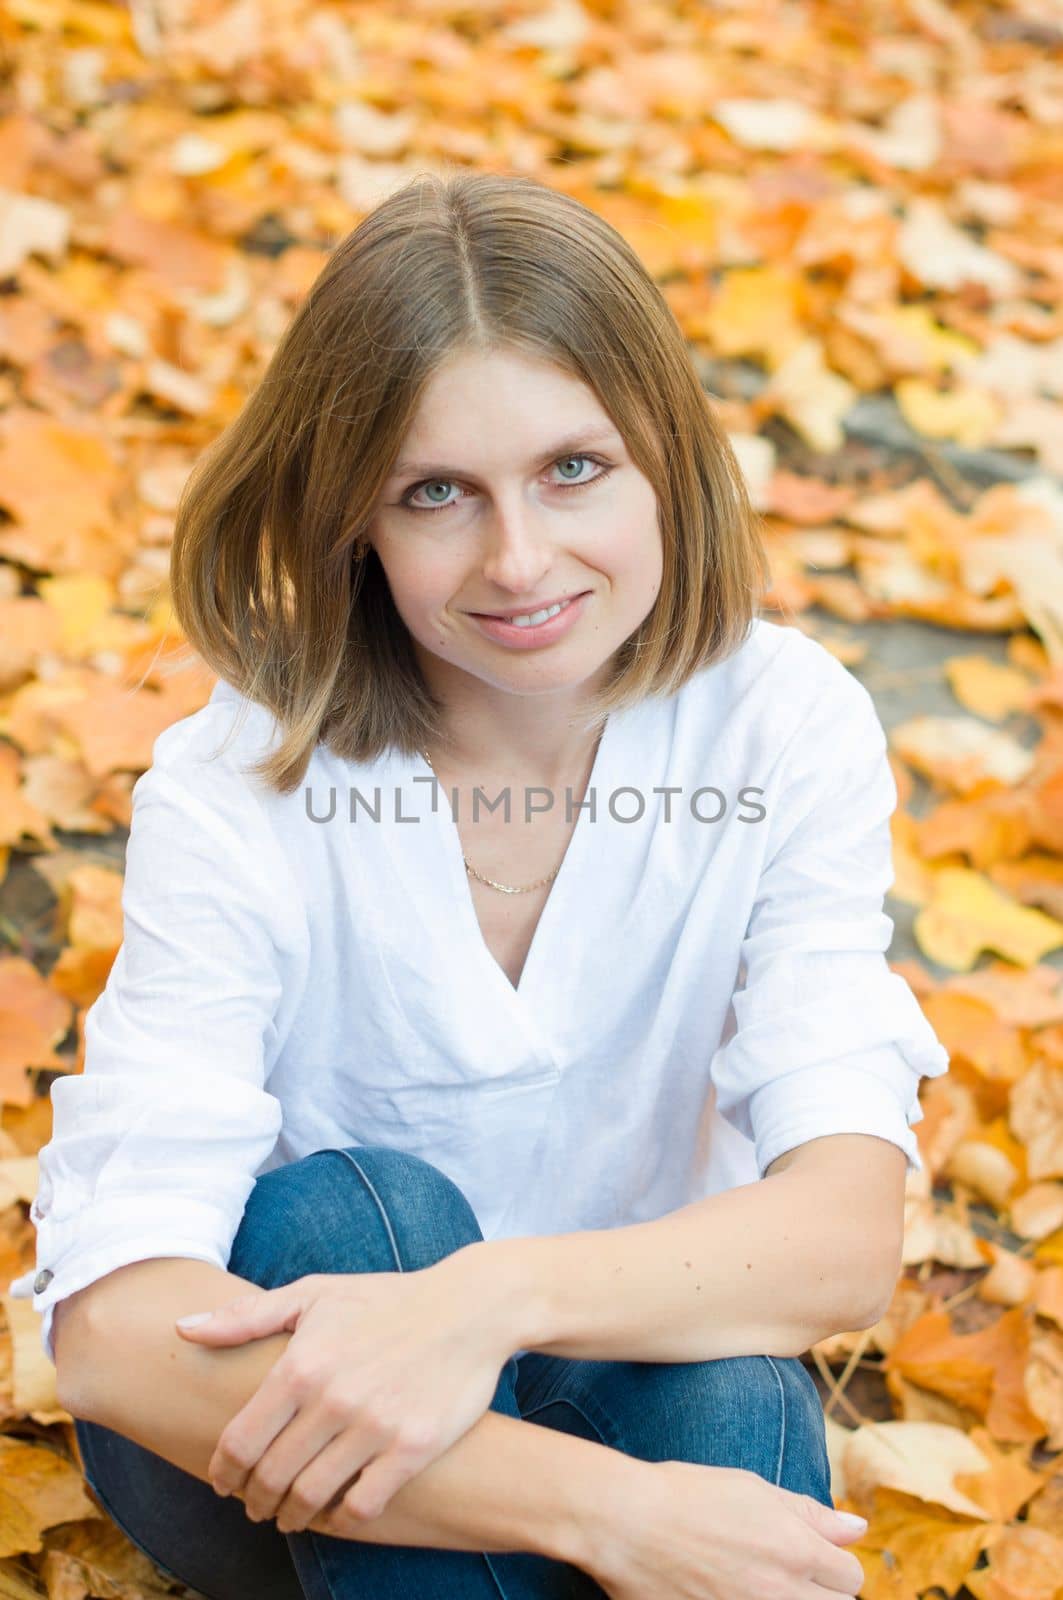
pixel 585 483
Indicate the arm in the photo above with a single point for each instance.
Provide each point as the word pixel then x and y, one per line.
pixel 769 1268
pixel 156 1143
pixel 505 1485
pixel 821 1076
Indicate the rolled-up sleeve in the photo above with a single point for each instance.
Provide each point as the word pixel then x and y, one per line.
pixel 828 1039
pixel 156 1143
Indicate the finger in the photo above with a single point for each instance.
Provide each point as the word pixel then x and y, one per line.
pixel 382 1478
pixel 836 1569
pixel 294 1453
pixel 248 1435
pixel 322 1485
pixel 251 1316
pixel 848 1579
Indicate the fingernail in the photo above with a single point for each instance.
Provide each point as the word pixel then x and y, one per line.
pixel 192 1321
pixel 850 1520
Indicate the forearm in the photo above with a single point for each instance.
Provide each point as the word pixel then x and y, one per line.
pixel 505 1485
pixel 768 1268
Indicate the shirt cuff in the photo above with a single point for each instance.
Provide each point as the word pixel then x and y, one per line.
pixel 75 1251
pixel 857 1094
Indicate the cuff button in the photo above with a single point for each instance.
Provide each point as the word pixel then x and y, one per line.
pixel 42 1280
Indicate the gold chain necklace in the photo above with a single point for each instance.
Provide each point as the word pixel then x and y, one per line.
pixel 503 888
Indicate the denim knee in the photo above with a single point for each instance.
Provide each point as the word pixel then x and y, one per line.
pixel 806 1461
pixel 762 1413
pixel 759 1413
pixel 728 1412
pixel 364 1208
pixel 776 1409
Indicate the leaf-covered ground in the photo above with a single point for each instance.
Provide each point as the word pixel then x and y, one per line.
pixel 855 211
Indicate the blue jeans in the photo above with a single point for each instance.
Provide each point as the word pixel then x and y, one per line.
pixel 371 1209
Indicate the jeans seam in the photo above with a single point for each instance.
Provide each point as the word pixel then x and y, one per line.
pixel 381 1207
pixel 782 1405
pixel 494 1575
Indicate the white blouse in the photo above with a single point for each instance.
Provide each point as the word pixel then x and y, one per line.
pixel 707 986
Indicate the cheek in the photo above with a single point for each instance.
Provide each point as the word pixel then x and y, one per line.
pixel 420 582
pixel 635 556
pixel 634 549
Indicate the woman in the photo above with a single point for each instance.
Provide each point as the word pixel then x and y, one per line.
pixel 526 918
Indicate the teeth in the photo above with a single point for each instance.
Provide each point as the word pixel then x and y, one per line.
pixel 532 618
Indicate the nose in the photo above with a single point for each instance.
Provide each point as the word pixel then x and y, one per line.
pixel 517 554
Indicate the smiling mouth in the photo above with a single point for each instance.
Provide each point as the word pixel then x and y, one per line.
pixel 529 611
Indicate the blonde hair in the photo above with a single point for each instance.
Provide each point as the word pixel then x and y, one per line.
pixel 265 576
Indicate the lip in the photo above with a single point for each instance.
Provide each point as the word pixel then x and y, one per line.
pixel 527 611
pixel 542 633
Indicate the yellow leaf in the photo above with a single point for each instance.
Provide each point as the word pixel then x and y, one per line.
pixel 967 915
pixel 757 312
pixel 82 601
pixel 966 414
pixel 809 395
pixel 986 687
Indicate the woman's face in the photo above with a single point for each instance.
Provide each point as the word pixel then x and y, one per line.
pixel 513 490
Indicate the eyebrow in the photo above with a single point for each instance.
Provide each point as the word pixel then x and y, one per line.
pixel 571 443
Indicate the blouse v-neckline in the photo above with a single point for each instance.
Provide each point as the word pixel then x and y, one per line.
pixel 538 954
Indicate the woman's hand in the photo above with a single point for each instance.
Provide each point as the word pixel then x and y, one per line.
pixel 383 1373
pixel 721 1533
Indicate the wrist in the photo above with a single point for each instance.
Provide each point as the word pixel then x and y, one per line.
pixel 604 1507
pixel 499 1279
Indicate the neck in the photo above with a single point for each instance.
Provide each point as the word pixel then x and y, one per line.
pixel 496 735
